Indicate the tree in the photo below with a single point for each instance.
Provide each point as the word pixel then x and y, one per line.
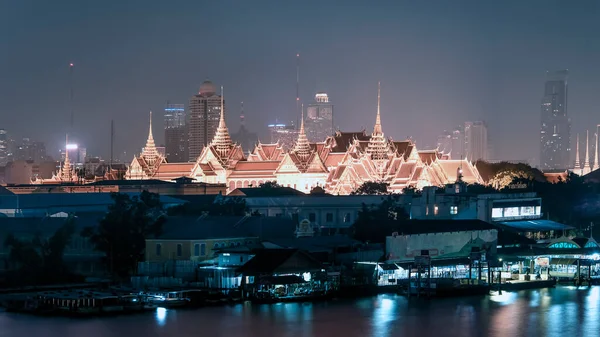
pixel 375 223
pixel 40 260
pixel 372 188
pixel 270 184
pixel 121 234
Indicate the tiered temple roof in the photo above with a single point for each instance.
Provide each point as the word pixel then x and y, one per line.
pixel 339 164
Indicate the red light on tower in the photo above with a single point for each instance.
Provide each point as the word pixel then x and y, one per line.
pixel 70 64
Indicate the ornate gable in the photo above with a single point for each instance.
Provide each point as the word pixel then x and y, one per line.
pixel 287 165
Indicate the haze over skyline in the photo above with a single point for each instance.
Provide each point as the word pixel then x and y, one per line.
pixel 439 64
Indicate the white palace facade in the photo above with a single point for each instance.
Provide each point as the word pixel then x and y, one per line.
pixel 339 164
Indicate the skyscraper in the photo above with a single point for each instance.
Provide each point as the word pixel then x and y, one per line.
pixel 176 136
pixel 319 118
pixel 205 109
pixel 458 143
pixel 244 137
pixel 555 131
pixel 3 147
pixel 476 141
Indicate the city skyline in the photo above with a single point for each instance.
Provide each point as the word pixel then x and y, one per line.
pixel 423 93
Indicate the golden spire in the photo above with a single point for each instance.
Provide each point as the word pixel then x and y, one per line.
pixel 577 163
pixel 222 140
pixel 150 154
pixel 66 173
pixel 596 163
pixel 378 146
pixel 586 164
pixel 377 129
pixel 302 147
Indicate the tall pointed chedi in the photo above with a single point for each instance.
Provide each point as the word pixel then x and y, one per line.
pixel 378 147
pixel 150 154
pixel 577 167
pixel 586 164
pixel 66 173
pixel 302 147
pixel 595 167
pixel 222 141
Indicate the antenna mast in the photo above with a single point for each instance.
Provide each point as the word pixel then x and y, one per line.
pixel 112 140
pixel 297 88
pixel 71 65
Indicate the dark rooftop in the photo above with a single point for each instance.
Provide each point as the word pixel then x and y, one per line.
pixel 221 227
pixel 269 261
pixel 411 227
pixel 253 192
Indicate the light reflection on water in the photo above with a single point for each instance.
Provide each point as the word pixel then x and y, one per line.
pixel 546 312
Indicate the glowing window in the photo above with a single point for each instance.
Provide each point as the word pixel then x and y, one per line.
pixel 563 245
pixel 435 210
pixel 496 212
pixel 591 244
pixel 511 211
pixel 453 209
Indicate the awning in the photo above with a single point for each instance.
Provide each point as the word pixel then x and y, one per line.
pixel 281 280
pixel 535 225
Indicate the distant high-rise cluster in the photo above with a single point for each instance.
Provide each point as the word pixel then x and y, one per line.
pixel 555 131
pixel 31 150
pixel 285 134
pixel 468 141
pixel 176 135
pixel 319 118
pixel 204 109
pixel 476 141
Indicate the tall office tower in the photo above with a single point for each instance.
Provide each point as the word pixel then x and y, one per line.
pixel 286 135
pixel 205 111
pixel 458 143
pixel 444 142
pixel 31 150
pixel 176 135
pixel 319 118
pixel 3 147
pixel 476 141
pixel 555 131
pixel 243 136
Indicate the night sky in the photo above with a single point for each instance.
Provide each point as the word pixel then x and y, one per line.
pixel 439 62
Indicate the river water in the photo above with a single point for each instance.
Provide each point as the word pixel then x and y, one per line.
pixel 563 311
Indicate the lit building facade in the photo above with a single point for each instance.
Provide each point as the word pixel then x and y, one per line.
pixel 204 108
pixel 476 141
pixel 283 134
pixel 319 118
pixel 4 148
pixel 555 130
pixel 176 135
pixel 339 164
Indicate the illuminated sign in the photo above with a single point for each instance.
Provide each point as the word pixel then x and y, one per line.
pixel 516 212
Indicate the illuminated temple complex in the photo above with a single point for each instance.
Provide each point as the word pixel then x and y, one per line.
pixel 339 164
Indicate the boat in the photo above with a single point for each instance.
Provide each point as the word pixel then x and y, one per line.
pixel 171 299
pixel 445 287
pixel 537 284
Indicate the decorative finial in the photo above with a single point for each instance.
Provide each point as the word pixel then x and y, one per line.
pixel 577 163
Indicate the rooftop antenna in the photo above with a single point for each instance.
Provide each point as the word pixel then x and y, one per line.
pixel 242 122
pixel 71 66
pixel 112 141
pixel 297 88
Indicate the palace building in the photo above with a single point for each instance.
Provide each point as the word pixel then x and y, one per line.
pixel 339 164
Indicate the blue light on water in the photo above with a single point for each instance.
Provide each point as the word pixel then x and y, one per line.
pixel 161 316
